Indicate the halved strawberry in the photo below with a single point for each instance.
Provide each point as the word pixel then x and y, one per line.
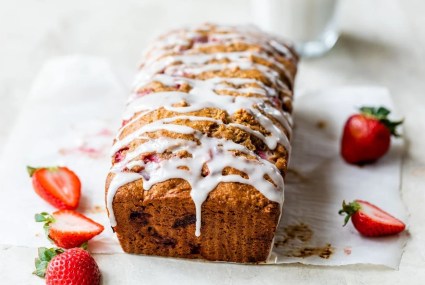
pixel 58 186
pixel 370 220
pixel 68 229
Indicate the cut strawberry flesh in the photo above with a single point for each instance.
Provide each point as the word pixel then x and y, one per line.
pixel 61 183
pixel 71 229
pixel 69 221
pixel 378 215
pixel 371 221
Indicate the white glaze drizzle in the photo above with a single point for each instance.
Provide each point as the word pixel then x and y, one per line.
pixel 198 59
pixel 213 83
pixel 248 34
pixel 277 135
pixel 202 95
pixel 120 179
pixel 215 153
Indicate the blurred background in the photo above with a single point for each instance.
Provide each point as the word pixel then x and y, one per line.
pixel 382 41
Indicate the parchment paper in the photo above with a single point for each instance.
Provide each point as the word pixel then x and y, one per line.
pixel 73 113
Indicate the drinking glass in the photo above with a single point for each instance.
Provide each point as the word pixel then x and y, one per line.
pixel 312 25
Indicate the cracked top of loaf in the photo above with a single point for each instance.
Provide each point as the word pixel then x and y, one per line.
pixel 211 104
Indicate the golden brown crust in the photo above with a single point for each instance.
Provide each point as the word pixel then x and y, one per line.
pixel 238 222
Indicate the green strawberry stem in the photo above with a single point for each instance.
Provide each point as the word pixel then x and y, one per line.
pixel 44 257
pixel 349 210
pixel 381 114
pixel 85 245
pixel 31 170
pixel 47 219
pixel 44 217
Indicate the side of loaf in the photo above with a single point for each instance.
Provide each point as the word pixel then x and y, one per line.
pixel 198 164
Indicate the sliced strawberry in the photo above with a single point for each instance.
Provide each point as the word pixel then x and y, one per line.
pixel 370 220
pixel 68 229
pixel 58 186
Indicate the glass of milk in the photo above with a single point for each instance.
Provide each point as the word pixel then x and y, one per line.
pixel 310 24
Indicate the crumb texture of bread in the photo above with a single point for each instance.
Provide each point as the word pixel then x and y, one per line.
pixel 198 165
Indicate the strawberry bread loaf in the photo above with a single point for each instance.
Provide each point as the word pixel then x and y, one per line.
pixel 198 165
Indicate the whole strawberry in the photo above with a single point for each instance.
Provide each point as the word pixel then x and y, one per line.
pixel 367 136
pixel 72 267
pixel 369 220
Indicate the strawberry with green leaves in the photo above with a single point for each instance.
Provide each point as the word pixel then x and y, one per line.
pixel 73 266
pixel 58 186
pixel 68 229
pixel 367 136
pixel 369 220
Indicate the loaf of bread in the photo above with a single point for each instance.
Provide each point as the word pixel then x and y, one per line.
pixel 198 164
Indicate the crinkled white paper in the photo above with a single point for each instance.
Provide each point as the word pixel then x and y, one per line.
pixel 74 111
pixel 319 179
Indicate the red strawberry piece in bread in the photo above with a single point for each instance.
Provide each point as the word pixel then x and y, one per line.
pixel 143 92
pixel 59 186
pixel 73 266
pixel 68 229
pixel 371 221
pixel 151 157
pixel 120 154
pixel 367 136
pixel 262 154
pixel 201 39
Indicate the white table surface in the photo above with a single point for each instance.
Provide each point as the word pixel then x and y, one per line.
pixel 382 42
